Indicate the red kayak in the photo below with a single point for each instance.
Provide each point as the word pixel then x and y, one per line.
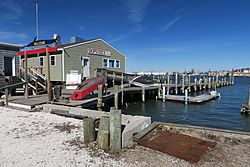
pixel 87 87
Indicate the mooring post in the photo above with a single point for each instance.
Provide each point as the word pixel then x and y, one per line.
pixel 232 78
pixel 6 97
pixel 195 84
pixel 168 82
pixel 163 93
pixel 217 80
pixel 176 83
pixel 249 96
pixel 48 76
pixel 189 82
pixel 122 93
pixel 213 82
pixel 115 130
pixel 183 83
pixel 99 98
pixel 159 92
pixel 205 82
pixel 88 130
pixel 200 84
pixel 103 133
pixel 186 96
pixel 116 97
pixel 143 94
pixel 26 93
pixel 209 82
pixel 113 81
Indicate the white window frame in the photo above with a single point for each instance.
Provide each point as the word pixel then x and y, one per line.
pixel 54 61
pixel 107 63
pixel 115 61
pixel 40 61
pixel 119 63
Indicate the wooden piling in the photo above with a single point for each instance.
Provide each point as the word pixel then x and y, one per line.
pixel 48 76
pixel 115 130
pixel 189 82
pixel 89 130
pixel 195 84
pixel 99 98
pixel 164 93
pixel 200 84
pixel 183 83
pixel 209 82
pixel 176 83
pixel 217 80
pixel 168 84
pixel 122 93
pixel 103 133
pixel 116 97
pixel 6 97
pixel 113 81
pixel 143 94
pixel 26 93
pixel 249 96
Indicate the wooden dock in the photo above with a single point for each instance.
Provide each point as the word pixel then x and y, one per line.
pixel 192 99
pixel 27 103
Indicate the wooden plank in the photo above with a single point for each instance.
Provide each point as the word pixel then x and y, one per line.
pixel 145 131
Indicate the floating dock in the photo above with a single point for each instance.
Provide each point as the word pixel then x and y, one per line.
pixel 192 99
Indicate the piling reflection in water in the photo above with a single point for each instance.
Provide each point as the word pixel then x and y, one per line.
pixel 220 113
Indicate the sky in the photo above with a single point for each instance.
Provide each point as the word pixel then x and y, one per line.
pixel 155 35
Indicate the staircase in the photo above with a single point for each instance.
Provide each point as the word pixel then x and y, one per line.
pixel 36 81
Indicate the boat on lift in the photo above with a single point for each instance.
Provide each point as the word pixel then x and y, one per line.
pixel 86 87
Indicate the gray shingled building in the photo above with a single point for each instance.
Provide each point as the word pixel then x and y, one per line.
pixel 9 61
pixel 83 57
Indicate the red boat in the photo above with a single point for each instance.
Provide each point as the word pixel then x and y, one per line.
pixel 86 87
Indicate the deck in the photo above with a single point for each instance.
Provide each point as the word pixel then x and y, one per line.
pixel 29 103
pixel 192 99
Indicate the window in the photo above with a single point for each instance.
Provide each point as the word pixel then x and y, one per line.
pixel 117 64
pixel 41 61
pixel 111 63
pixel 52 60
pixel 105 63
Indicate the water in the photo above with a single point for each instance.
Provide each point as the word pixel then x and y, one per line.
pixel 221 113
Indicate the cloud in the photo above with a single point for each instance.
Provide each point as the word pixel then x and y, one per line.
pixel 170 24
pixel 119 38
pixel 10 10
pixel 137 9
pixel 77 25
pixel 7 35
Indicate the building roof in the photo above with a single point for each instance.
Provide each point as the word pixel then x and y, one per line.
pixel 8 46
pixel 65 46
pixel 70 44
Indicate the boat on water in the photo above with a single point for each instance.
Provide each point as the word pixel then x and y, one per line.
pixel 214 93
pixel 86 87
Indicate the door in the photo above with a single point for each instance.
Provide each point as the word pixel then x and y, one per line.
pixel 8 66
pixel 85 64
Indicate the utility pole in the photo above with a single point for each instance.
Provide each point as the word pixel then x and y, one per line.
pixel 37 35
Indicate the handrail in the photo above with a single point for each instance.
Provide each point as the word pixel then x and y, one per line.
pixel 37 73
pixel 32 76
pixel 12 85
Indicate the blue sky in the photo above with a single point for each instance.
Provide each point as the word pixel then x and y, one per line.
pixel 155 35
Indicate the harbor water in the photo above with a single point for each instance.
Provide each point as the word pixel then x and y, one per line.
pixel 222 113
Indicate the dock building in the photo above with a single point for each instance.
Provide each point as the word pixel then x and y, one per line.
pixel 82 57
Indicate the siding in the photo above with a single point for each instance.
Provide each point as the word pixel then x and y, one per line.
pixel 73 55
pixel 55 71
pixel 8 53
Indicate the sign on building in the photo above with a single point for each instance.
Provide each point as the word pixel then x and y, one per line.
pixel 99 52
